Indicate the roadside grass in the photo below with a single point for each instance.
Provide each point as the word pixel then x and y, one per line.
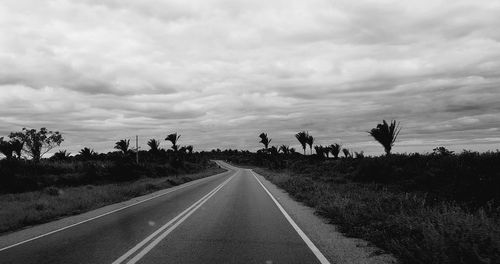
pixel 19 210
pixel 407 224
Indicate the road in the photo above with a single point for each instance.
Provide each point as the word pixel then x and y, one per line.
pixel 227 218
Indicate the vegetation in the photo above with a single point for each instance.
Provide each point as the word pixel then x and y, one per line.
pixel 264 140
pixel 29 208
pixel 303 138
pixel 36 143
pixel 386 134
pixel 425 208
pixel 30 174
pixel 173 138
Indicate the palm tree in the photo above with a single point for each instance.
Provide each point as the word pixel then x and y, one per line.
pixel 310 142
pixel 335 150
pixel 285 149
pixel 264 140
pixel 122 145
pixel 347 153
pixel 320 150
pixel 154 145
pixel 302 137
pixel 386 134
pixel 173 139
pixel 189 148
pixel 87 153
pixel 6 148
pixel 61 155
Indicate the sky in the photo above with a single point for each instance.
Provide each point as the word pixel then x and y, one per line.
pixel 220 72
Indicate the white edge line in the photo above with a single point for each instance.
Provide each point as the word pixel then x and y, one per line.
pixel 147 239
pixel 155 242
pixel 107 213
pixel 322 259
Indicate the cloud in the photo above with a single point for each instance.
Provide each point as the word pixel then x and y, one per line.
pixel 222 71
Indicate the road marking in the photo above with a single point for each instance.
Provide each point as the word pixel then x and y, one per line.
pixel 301 233
pixel 173 189
pixel 185 214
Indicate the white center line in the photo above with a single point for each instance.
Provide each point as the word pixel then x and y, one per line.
pixel 185 214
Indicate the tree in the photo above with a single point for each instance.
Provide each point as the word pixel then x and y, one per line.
pixel 122 145
pixel 285 149
pixel 320 151
pixel 61 155
pixel 264 140
pixel 37 143
pixel 310 142
pixel 189 148
pixel 386 134
pixel 302 137
pixel 347 153
pixel 87 153
pixel 335 150
pixel 173 138
pixel 442 151
pixel 359 155
pixel 154 145
pixel 17 147
pixel 6 148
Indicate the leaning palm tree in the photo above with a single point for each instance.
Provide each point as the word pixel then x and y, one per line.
pixel 122 145
pixel 310 142
pixel 335 150
pixel 302 137
pixel 154 145
pixel 264 140
pixel 173 138
pixel 386 134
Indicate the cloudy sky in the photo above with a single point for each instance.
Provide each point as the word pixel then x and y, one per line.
pixel 219 72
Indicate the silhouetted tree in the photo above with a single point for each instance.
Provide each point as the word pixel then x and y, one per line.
pixel 285 149
pixel 335 150
pixel 37 143
pixel 173 138
pixel 320 151
pixel 310 142
pixel 154 145
pixel 442 151
pixel 17 147
pixel 264 140
pixel 347 153
pixel 61 155
pixel 189 148
pixel 386 134
pixel 122 145
pixel 6 148
pixel 87 153
pixel 302 137
pixel 359 155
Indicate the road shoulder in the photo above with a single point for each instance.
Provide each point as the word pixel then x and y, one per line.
pixel 334 245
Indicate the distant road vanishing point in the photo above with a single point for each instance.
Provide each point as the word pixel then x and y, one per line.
pixel 227 218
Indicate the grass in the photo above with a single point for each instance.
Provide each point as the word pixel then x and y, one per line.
pixel 406 224
pixel 18 210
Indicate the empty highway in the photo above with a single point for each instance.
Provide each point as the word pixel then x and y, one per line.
pixel 226 218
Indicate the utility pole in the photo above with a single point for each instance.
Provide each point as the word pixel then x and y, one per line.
pixel 137 149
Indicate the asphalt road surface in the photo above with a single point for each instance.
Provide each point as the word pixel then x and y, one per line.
pixel 227 218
